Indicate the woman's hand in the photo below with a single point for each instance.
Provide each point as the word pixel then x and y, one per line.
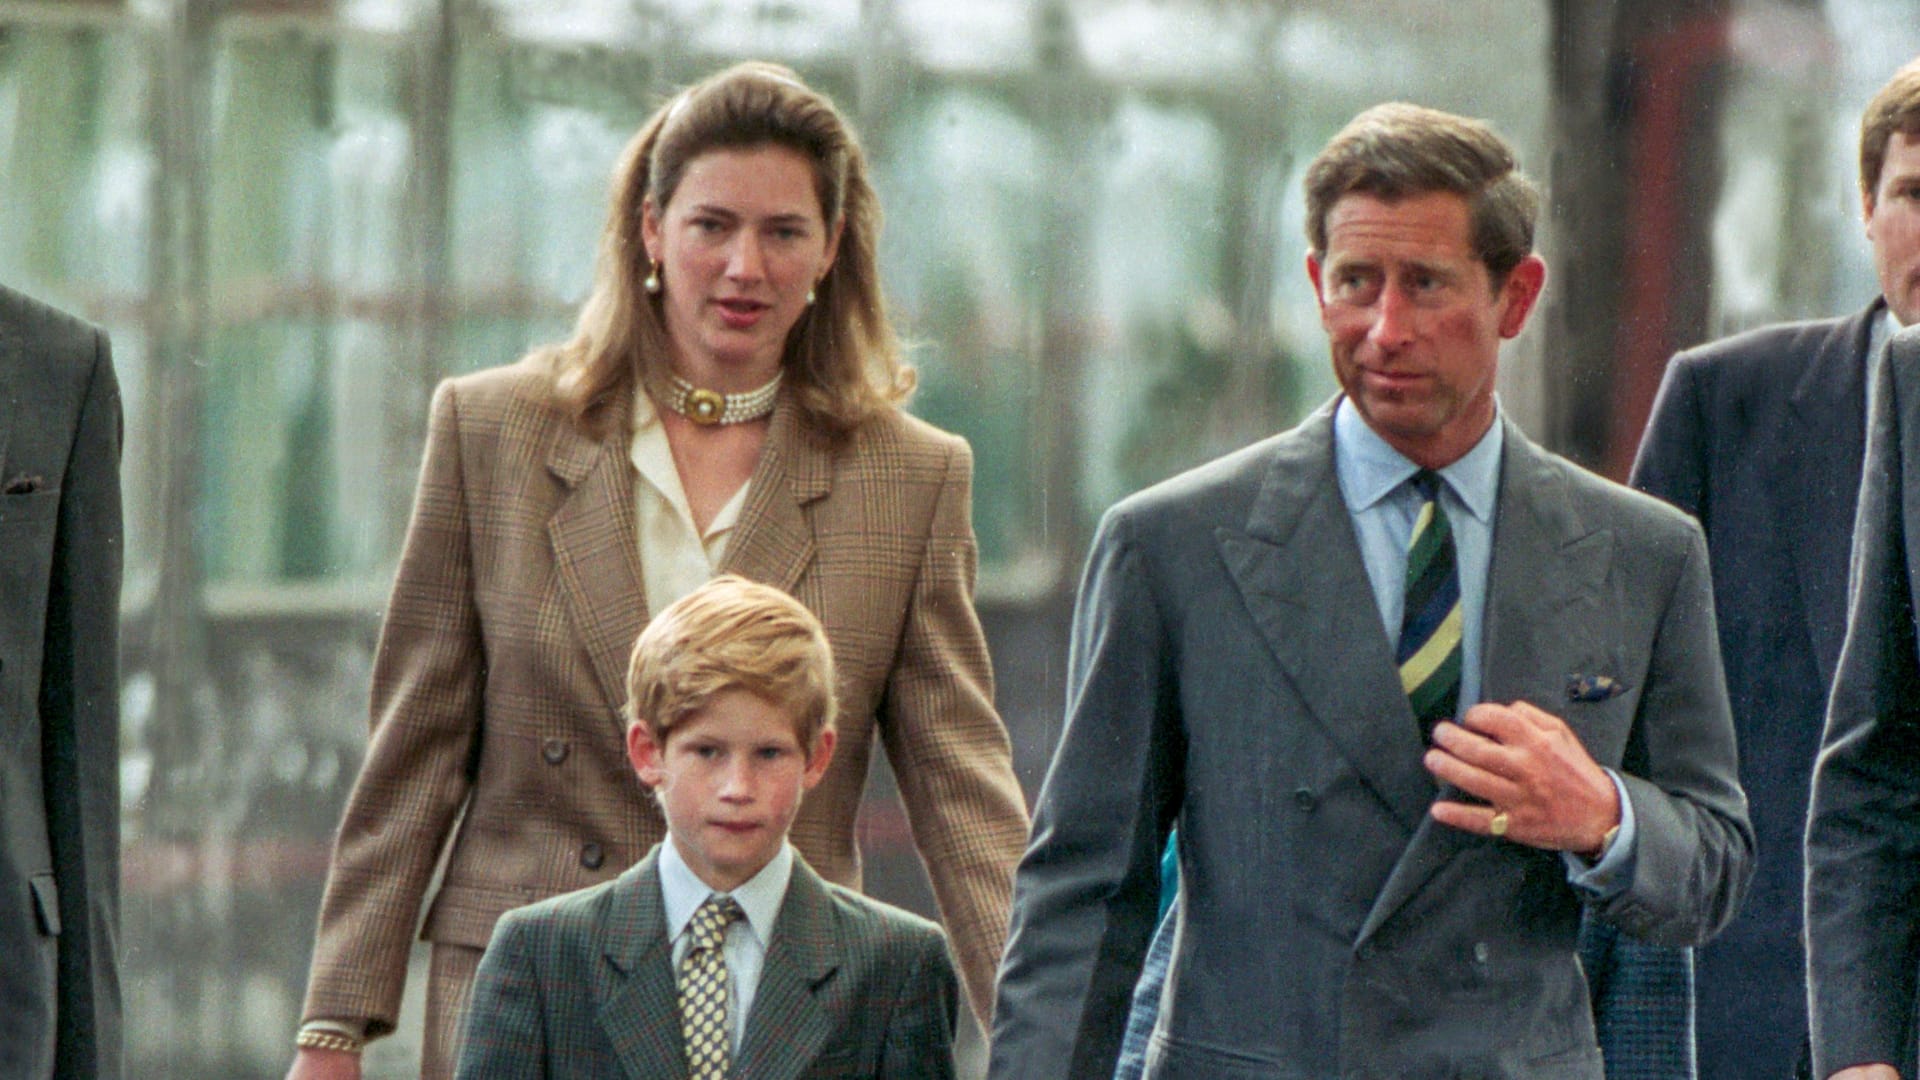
pixel 310 1064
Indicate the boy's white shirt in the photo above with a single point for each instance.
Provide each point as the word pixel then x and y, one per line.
pixel 760 897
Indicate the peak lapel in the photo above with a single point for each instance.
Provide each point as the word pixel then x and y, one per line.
pixel 1547 563
pixel 788 1025
pixel 596 553
pixel 1544 584
pixel 1299 569
pixel 773 543
pixel 638 1006
pixel 1818 469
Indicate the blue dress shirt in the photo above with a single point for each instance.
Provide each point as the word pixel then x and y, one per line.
pixel 1373 480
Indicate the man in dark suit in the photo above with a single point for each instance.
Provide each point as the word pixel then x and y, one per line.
pixel 1415 691
pixel 1863 835
pixel 1760 437
pixel 59 696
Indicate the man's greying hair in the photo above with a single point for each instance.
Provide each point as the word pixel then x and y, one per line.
pixel 1895 108
pixel 1395 151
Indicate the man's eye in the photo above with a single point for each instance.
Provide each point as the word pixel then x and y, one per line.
pixel 1355 287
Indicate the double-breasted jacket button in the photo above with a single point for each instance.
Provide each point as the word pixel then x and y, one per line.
pixel 1306 800
pixel 592 855
pixel 1481 953
pixel 554 750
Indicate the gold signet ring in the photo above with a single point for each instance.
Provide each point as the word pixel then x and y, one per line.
pixel 1498 825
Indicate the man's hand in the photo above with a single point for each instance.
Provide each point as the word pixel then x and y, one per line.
pixel 324 1065
pixel 1867 1072
pixel 1528 765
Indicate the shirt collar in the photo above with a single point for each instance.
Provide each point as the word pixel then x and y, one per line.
pixel 1370 469
pixel 652 457
pixel 760 896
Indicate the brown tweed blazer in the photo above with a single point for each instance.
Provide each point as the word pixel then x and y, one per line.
pixel 500 679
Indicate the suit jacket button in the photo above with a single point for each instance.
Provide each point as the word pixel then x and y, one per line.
pixel 591 856
pixel 1481 954
pixel 1305 800
pixel 555 751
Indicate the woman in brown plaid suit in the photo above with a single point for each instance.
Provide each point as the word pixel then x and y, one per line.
pixel 728 402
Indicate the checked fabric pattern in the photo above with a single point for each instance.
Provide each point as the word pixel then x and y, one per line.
pixel 1429 651
pixel 704 995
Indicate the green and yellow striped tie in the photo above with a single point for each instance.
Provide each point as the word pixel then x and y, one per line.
pixel 1429 650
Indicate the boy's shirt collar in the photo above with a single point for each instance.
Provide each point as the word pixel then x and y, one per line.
pixel 760 896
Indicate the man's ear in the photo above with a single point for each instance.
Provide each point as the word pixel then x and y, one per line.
pixel 818 760
pixel 1520 293
pixel 644 753
pixel 1313 275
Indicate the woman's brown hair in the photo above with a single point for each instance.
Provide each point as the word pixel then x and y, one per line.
pixel 842 359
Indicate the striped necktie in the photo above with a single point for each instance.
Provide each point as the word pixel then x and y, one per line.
pixel 1429 651
pixel 704 994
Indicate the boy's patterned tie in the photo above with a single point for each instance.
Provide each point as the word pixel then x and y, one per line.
pixel 1429 652
pixel 704 998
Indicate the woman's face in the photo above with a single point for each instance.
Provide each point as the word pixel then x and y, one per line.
pixel 739 244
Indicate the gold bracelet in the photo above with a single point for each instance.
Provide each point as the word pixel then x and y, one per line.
pixel 321 1039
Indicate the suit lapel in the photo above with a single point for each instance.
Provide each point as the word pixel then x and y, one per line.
pixel 788 1026
pixel 1547 565
pixel 1299 570
pixel 1819 472
pixel 772 542
pixel 639 1009
pixel 596 552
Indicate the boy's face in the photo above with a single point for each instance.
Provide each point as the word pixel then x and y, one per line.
pixel 729 781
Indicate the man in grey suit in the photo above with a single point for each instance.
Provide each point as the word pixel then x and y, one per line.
pixel 1760 437
pixel 1863 833
pixel 1261 647
pixel 59 696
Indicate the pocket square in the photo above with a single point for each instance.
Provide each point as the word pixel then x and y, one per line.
pixel 1593 687
pixel 24 484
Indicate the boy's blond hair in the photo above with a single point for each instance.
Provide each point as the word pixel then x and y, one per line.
pixel 732 634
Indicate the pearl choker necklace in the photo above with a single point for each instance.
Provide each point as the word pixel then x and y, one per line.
pixel 709 408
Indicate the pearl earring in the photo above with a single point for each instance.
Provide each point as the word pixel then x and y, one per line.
pixel 652 284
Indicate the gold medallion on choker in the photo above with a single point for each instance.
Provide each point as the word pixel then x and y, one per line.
pixel 710 408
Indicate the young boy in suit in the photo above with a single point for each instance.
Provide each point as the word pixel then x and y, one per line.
pixel 721 955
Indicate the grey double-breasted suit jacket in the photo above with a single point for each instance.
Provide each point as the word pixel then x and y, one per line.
pixel 581 987
pixel 59 696
pixel 1229 670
